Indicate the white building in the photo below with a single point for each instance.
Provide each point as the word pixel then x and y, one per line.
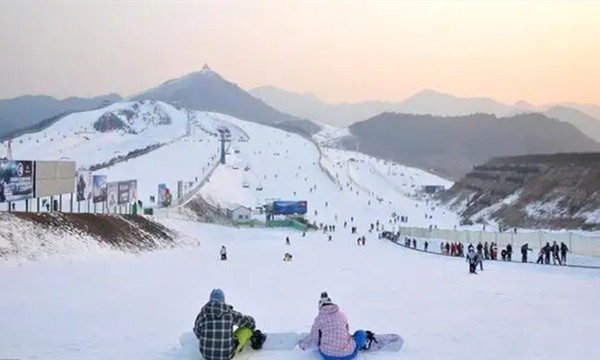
pixel 239 213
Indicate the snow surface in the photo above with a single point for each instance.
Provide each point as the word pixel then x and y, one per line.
pixel 137 306
pixel 186 155
pixel 107 304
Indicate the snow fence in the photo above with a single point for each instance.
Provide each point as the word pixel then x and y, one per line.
pixel 577 243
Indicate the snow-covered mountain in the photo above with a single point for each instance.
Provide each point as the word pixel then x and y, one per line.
pixel 206 90
pixel 25 112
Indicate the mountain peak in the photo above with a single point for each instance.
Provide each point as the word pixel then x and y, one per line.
pixel 206 68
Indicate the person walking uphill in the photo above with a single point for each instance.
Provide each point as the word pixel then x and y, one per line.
pixel 214 329
pixel 330 332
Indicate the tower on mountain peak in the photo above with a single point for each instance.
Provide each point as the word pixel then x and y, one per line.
pixel 206 68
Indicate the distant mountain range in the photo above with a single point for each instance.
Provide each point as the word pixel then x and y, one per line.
pixel 584 117
pixel 26 111
pixel 451 146
pixel 207 91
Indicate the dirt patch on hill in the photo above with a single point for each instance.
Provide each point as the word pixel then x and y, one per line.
pixel 119 231
pixel 557 191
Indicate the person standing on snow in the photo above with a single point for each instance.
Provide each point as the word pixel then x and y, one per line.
pixel 214 329
pixel 330 333
pixel 472 260
pixel 524 249
pixel 287 240
pixel 223 252
pixel 563 253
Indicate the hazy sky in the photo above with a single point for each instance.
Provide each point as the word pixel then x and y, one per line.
pixel 338 50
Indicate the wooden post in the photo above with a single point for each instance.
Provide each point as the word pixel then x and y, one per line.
pixel 38 204
pixel 26 205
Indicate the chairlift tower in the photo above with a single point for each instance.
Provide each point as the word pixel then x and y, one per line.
pixel 224 137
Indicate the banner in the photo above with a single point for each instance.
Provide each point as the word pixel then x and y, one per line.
pixel 112 194
pixel 99 188
pixel 16 180
pixel 84 185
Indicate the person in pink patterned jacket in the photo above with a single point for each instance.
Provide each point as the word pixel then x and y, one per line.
pixel 331 333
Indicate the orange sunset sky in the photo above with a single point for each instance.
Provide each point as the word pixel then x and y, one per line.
pixel 340 51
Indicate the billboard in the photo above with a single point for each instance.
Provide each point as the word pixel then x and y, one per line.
pixel 16 180
pixel 54 178
pixel 164 195
pixel 84 185
pixel 289 207
pixel 99 188
pixel 112 194
pixel 123 192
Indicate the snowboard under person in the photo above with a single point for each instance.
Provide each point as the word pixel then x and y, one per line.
pixel 330 333
pixel 223 252
pixel 214 329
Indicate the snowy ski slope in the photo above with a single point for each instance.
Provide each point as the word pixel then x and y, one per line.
pixel 116 306
pixel 190 139
pixel 286 167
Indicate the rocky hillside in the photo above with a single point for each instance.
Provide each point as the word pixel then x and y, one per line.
pixel 535 191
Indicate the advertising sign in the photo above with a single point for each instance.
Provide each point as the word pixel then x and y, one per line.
pixel 84 185
pixel 123 192
pixel 112 194
pixel 162 194
pixel 289 207
pixel 54 178
pixel 99 188
pixel 16 180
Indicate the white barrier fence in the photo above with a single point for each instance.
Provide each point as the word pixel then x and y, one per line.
pixel 578 244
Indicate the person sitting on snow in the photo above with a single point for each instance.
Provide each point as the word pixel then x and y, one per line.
pixel 287 257
pixel 214 329
pixel 330 332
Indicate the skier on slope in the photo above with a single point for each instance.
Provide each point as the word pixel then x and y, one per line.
pixel 214 329
pixel 223 252
pixel 330 332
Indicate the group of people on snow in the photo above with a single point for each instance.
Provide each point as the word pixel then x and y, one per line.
pixel 222 332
